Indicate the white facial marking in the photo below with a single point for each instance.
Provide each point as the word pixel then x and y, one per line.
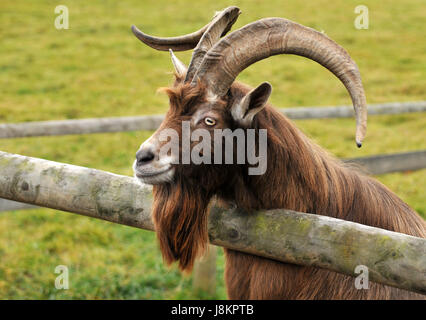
pixel 166 161
pixel 148 143
pixel 211 97
pixel 156 172
pixel 238 110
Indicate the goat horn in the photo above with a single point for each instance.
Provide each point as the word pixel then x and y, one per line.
pixel 181 43
pixel 220 25
pixel 179 66
pixel 272 36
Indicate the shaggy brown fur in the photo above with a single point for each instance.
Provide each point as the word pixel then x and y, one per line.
pixel 301 177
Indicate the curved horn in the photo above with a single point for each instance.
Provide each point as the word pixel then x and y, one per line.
pixel 220 25
pixel 181 43
pixel 272 36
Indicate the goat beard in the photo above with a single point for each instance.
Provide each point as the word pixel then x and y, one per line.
pixel 180 212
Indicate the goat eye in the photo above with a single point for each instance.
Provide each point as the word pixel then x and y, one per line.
pixel 209 121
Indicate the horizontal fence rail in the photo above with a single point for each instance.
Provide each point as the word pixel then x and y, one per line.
pixel 388 163
pixel 348 112
pixel 9 205
pixel 152 122
pixel 378 164
pixel 283 235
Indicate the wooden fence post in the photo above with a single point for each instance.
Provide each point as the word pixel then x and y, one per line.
pixel 204 275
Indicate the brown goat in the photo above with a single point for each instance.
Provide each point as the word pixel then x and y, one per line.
pixel 300 176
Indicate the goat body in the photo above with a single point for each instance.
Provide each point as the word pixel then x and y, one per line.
pixel 300 176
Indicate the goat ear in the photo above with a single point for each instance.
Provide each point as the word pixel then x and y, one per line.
pixel 180 67
pixel 253 102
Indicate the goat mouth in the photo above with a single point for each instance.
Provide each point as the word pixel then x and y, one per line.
pixel 155 177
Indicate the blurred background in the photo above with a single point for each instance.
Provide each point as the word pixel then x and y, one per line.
pixel 97 68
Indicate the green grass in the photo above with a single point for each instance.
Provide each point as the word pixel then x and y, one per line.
pixel 97 69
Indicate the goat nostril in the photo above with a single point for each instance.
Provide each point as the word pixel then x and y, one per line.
pixel 144 156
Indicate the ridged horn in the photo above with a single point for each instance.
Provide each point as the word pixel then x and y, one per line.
pixel 181 43
pixel 273 36
pixel 220 25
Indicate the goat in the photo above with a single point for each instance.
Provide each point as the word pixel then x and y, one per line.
pixel 300 175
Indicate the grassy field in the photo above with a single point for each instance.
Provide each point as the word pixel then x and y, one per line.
pixel 97 68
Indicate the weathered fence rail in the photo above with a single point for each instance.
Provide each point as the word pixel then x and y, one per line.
pixel 392 258
pixel 152 122
pixel 347 111
pixel 387 163
pixel 9 205
pixel 378 164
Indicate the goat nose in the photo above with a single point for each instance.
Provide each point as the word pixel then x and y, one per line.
pixel 144 156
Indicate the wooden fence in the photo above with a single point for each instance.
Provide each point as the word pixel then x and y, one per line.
pixel 379 164
pixel 400 261
pixel 243 226
pixel 152 122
